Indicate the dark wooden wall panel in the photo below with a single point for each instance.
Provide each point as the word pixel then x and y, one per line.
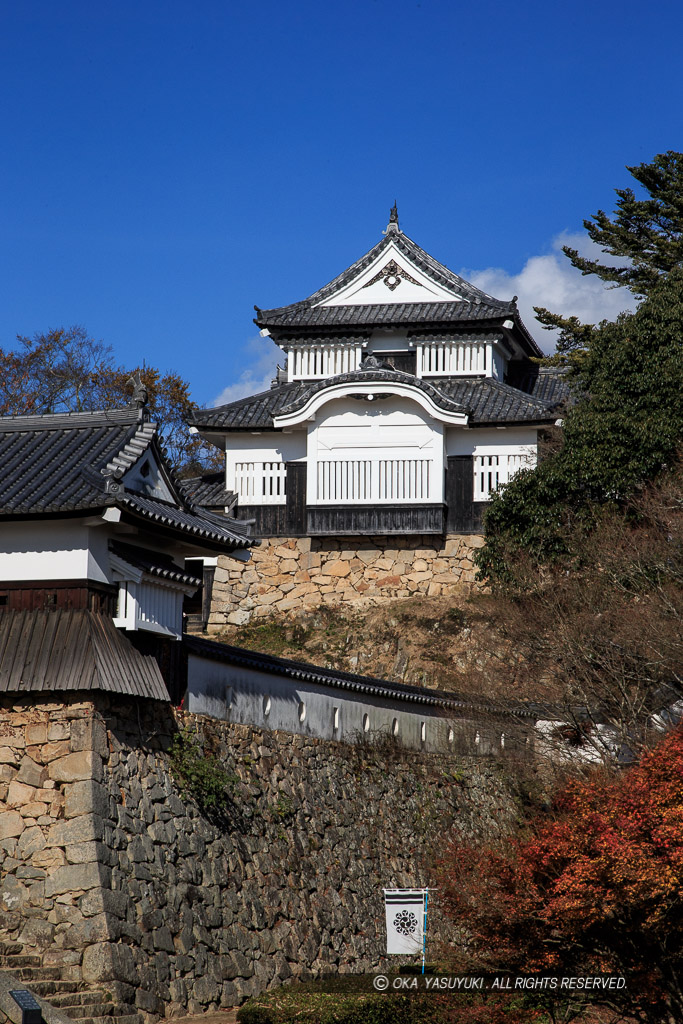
pixel 464 514
pixel 359 520
pixel 269 520
pixel 296 499
pixel 72 595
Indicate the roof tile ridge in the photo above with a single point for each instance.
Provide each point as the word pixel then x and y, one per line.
pixel 132 450
pixel 50 420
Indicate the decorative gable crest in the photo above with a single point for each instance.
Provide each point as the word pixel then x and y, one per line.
pixel 392 275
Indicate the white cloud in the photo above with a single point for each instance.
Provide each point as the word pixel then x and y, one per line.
pixel 551 281
pixel 261 356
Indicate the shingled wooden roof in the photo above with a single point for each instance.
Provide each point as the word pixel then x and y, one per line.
pixel 64 649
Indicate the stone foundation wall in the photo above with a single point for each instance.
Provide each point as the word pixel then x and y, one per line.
pixel 53 866
pixel 293 574
pixel 120 879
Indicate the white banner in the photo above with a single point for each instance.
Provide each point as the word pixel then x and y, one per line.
pixel 405 912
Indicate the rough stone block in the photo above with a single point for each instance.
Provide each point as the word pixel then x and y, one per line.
pixel 336 568
pixel 37 933
pixel 58 731
pixel 107 901
pixel 85 829
pixel 89 734
pixel 51 751
pixel 239 618
pixel 84 853
pixel 93 929
pixel 49 858
pixel 286 552
pixel 84 798
pixel 77 767
pixel 11 824
pixel 36 732
pixel 34 809
pixel 74 877
pixel 31 841
pixel 30 773
pixel 19 794
pixel 107 961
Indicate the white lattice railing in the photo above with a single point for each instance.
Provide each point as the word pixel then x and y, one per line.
pixel 490 471
pixel 450 358
pixel 261 483
pixel 373 480
pixel 318 361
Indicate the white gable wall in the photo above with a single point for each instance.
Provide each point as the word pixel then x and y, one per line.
pixel 360 293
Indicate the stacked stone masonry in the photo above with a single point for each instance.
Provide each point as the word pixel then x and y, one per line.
pixel 112 873
pixel 288 575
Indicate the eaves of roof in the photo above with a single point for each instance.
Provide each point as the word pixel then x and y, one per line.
pixel 203 526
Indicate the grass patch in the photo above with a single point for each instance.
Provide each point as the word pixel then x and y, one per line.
pixel 334 1002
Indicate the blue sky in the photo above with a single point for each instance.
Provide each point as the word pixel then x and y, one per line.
pixel 168 164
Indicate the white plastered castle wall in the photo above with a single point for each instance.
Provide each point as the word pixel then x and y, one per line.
pixel 52 550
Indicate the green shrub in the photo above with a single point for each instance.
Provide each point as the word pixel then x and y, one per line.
pixel 200 776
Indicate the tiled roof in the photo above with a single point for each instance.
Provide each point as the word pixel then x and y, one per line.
pixel 484 399
pixel 548 384
pixel 252 413
pixel 303 672
pixel 68 463
pixel 382 314
pixel 208 490
pixel 68 649
pixel 201 524
pixel 491 401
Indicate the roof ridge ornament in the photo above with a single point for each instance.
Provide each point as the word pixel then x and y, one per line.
pixel 392 227
pixel 140 395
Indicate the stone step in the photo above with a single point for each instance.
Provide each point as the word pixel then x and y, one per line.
pixel 12 961
pixel 10 948
pixel 47 989
pixel 38 973
pixel 133 1018
pixel 94 1009
pixel 72 997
